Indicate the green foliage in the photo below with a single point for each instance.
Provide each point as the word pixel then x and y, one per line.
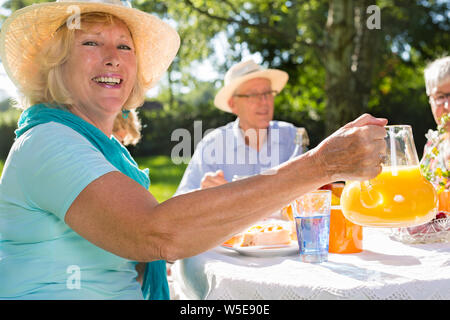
pixel 294 36
pixel 158 125
pixel 399 95
pixel 299 37
pixel 8 123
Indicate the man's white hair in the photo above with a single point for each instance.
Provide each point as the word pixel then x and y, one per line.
pixel 436 73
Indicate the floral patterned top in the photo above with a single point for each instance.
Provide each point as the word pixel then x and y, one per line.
pixel 435 163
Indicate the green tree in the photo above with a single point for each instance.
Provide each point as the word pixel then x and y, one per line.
pixel 338 66
pixel 329 35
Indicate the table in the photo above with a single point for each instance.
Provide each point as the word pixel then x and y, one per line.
pixel 385 269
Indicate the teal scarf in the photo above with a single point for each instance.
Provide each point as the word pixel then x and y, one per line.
pixel 155 286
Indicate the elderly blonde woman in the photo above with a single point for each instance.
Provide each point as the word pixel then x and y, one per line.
pixel 435 162
pixel 76 215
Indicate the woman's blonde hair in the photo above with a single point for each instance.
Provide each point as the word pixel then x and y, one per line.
pixel 48 86
pixel 436 73
pixel 131 126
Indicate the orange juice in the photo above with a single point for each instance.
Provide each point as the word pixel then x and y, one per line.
pixel 345 236
pixel 337 188
pixel 287 212
pixel 389 200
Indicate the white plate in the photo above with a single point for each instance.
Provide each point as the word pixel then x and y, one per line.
pixel 266 251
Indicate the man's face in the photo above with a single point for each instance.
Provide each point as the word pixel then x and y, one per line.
pixel 253 103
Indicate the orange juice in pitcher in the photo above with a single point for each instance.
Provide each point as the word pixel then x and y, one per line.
pixel 400 200
pixel 399 196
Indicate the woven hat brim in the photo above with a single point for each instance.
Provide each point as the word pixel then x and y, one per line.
pixel 24 33
pixel 278 79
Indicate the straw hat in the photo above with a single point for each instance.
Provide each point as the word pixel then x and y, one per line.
pixel 242 72
pixel 26 30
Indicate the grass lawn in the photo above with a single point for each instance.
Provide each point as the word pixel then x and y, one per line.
pixel 164 175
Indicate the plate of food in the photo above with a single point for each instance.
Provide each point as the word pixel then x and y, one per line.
pixel 266 239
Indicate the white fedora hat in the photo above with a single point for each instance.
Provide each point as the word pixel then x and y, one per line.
pixel 242 72
pixel 24 33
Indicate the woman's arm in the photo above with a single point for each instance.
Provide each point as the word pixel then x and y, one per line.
pixel 117 214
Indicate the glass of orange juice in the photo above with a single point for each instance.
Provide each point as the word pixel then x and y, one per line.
pixel 399 196
pixel 444 202
pixel 345 236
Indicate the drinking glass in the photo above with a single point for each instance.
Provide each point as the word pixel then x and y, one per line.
pixel 444 201
pixel 312 218
pixel 399 196
pixel 345 236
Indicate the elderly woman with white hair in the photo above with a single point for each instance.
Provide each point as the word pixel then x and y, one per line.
pixel 435 162
pixel 76 215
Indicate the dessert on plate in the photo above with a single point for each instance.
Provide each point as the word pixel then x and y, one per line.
pixel 268 234
pixel 264 233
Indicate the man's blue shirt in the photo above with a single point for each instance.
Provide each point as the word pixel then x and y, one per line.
pixel 224 148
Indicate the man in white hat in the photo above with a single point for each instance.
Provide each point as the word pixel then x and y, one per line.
pixel 253 143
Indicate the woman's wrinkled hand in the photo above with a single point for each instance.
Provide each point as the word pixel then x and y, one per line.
pixel 355 151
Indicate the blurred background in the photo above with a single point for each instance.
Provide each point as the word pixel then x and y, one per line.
pixel 343 57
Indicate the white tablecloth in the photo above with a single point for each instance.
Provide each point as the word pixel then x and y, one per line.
pixel 386 269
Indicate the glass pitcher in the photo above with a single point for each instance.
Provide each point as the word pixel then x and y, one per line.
pixel 399 196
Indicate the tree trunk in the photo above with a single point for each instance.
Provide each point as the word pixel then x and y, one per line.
pixel 349 62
